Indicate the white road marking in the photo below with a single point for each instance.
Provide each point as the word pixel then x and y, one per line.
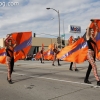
pixel 65 81
pixel 13 73
pixel 56 80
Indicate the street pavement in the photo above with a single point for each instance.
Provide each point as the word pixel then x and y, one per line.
pixel 35 81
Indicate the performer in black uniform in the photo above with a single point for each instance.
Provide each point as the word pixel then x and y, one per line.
pixel 56 51
pixel 71 64
pixel 9 46
pixel 91 54
pixel 42 56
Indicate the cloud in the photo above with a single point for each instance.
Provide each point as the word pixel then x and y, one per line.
pixel 32 15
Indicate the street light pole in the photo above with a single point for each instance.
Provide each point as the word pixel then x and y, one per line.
pixel 59 22
pixel 64 30
pixel 58 19
pixel 63 27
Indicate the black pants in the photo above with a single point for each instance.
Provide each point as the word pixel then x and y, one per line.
pixel 58 61
pixel 71 65
pixel 41 59
pixel 12 64
pixel 88 72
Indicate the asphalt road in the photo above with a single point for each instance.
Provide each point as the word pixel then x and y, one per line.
pixel 35 81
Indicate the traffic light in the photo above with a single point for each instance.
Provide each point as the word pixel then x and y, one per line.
pixel 34 35
pixel 58 40
pixel 63 42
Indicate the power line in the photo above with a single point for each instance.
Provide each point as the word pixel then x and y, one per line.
pixel 47 34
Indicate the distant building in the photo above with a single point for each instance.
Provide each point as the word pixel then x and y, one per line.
pixel 37 43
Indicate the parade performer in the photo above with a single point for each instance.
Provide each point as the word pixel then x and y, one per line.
pixel 42 54
pixel 91 54
pixel 17 46
pixel 9 47
pixel 71 64
pixel 56 51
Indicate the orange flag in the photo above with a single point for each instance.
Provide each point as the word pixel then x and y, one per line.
pixel 75 52
pixel 38 56
pixel 97 21
pixel 50 52
pixel 24 40
pixel 2 56
pixel 48 55
pixel 51 46
pixel 45 55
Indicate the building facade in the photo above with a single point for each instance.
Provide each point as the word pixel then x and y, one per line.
pixel 37 43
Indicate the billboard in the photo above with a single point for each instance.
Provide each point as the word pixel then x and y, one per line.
pixel 74 29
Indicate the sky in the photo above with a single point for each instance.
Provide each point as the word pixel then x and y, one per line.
pixel 32 15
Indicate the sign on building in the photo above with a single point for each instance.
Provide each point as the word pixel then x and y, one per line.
pixel 74 29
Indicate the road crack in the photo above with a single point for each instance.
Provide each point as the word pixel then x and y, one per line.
pixel 70 93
